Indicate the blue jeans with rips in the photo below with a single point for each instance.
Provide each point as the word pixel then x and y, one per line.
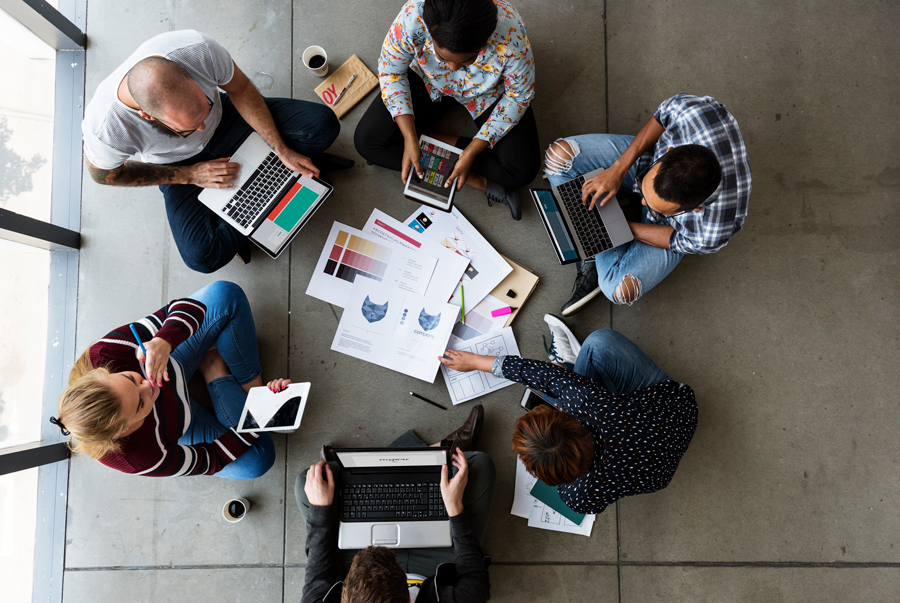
pixel 647 264
pixel 229 325
pixel 205 242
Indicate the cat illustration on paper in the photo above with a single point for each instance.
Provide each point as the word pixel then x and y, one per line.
pixel 427 321
pixel 374 312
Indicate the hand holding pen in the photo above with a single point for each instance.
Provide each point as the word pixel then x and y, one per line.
pixel 154 354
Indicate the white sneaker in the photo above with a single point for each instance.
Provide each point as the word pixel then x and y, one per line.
pixel 564 347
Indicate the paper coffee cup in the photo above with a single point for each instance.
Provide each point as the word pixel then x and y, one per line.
pixel 316 60
pixel 236 509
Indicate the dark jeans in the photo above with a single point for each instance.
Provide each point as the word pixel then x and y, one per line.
pixel 206 242
pixel 513 162
pixel 477 499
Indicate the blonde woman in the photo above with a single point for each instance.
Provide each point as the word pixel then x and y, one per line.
pixel 132 411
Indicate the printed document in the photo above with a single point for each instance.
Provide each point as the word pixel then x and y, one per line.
pixel 351 255
pixel 540 515
pixel 474 384
pixel 396 329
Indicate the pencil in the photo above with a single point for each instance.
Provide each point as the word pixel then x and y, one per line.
pixel 462 302
pixel 424 399
pixel 138 338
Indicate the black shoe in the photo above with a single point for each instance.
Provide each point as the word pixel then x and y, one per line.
pixel 586 288
pixel 243 253
pixel 326 162
pixel 466 437
pixel 327 454
pixel 506 196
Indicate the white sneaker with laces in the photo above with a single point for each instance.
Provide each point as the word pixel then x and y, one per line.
pixel 564 346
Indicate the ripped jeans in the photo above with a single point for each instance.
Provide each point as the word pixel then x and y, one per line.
pixel 644 266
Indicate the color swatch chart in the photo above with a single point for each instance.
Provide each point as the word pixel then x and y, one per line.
pixel 352 256
pixel 479 320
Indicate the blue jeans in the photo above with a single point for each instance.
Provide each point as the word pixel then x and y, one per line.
pixel 229 325
pixel 647 264
pixel 613 360
pixel 206 242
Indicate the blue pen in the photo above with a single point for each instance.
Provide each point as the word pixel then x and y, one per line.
pixel 138 338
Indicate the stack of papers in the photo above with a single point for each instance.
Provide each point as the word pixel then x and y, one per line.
pixel 540 514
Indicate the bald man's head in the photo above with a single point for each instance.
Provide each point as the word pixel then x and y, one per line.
pixel 163 89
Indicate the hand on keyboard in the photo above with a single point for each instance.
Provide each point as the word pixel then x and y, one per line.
pixel 218 173
pixel 319 485
pixel 603 187
pixel 298 163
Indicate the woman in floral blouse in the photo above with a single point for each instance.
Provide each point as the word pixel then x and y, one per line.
pixel 475 52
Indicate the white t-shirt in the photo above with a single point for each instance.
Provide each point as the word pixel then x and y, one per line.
pixel 114 133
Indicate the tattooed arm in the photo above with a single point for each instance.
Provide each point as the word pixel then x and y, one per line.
pixel 217 173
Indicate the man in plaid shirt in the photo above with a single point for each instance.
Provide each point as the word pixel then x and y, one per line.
pixel 689 166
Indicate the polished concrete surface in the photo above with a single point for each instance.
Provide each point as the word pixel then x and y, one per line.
pixel 788 335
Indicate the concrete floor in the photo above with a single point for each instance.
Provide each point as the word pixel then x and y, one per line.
pixel 788 336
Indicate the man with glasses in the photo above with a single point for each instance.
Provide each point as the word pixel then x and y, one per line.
pixel 689 166
pixel 160 119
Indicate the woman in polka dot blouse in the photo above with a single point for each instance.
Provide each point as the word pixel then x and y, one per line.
pixel 625 426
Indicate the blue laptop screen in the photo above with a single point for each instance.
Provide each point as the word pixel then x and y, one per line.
pixel 555 219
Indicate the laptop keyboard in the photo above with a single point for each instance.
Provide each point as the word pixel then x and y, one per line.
pixel 253 197
pixel 589 227
pixel 367 502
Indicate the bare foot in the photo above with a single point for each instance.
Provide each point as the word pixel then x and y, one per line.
pixel 213 366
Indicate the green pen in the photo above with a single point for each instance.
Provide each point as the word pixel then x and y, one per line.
pixel 462 301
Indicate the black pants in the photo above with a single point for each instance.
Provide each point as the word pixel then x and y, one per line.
pixel 513 162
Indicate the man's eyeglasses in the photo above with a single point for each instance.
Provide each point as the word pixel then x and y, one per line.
pixel 184 133
pixel 640 182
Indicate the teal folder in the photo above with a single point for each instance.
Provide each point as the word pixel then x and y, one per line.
pixel 550 497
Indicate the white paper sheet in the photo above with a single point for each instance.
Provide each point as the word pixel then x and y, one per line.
pixel 474 384
pixel 402 331
pixel 350 255
pixel 450 266
pixel 486 267
pixel 479 321
pixel 540 515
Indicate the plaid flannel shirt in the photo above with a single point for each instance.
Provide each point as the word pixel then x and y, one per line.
pixel 690 119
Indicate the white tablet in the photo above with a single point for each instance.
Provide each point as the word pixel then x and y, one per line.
pixel 267 411
pixel 437 160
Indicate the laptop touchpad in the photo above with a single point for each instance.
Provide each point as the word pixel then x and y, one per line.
pixel 385 534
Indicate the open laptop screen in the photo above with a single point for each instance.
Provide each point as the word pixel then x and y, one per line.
pixel 555 223
pixel 289 213
pixel 426 457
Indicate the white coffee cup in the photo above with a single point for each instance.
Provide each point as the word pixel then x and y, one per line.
pixel 315 55
pixel 233 515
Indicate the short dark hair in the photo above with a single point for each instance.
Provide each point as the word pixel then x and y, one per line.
pixel 687 175
pixel 375 577
pixel 460 26
pixel 553 446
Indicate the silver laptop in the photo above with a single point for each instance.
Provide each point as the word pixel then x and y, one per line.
pixel 576 232
pixel 392 497
pixel 269 202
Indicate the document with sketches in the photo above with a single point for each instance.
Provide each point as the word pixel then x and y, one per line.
pixel 450 266
pixel 451 229
pixel 474 384
pixel 540 515
pixel 396 329
pixel 351 255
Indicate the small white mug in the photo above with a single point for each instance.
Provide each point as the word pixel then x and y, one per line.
pixel 316 60
pixel 234 514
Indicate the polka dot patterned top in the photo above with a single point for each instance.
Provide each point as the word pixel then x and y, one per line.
pixel 639 438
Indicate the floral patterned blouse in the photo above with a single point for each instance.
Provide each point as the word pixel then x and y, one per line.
pixel 504 69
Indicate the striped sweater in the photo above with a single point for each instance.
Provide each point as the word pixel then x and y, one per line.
pixel 153 450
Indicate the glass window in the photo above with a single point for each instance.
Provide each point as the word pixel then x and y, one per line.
pixel 25 274
pixel 18 516
pixel 26 120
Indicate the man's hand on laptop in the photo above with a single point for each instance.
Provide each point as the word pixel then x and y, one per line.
pixel 297 162
pixel 218 173
pixel 603 186
pixel 319 486
pixel 452 489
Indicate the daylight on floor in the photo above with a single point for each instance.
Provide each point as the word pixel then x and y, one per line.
pixel 449 300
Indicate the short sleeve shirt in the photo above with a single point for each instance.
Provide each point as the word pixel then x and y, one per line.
pixel 114 133
pixel 701 120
